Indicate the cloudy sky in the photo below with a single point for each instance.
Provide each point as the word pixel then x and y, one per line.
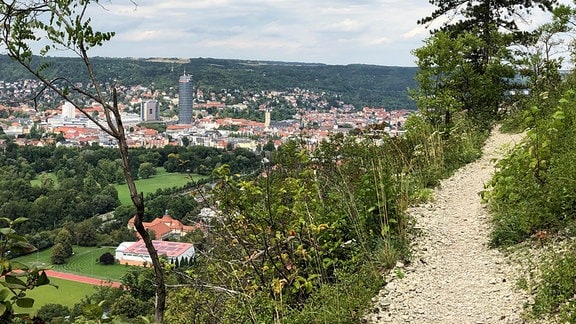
pixel 381 32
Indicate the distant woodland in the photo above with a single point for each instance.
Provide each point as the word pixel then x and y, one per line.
pixel 357 84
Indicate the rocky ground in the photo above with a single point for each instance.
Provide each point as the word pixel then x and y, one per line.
pixel 454 277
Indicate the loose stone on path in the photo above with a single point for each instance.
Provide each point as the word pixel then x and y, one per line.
pixel 454 277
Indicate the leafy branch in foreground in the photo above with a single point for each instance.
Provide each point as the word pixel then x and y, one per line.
pixel 66 26
pixel 16 278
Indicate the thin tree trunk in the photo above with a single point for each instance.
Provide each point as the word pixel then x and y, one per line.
pixel 138 201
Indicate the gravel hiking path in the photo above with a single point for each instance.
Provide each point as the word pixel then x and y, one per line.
pixel 453 276
pixel 83 279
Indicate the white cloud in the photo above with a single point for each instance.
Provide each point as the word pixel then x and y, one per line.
pixel 328 31
pixel 346 25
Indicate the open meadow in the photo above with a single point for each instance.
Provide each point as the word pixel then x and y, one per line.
pixel 162 180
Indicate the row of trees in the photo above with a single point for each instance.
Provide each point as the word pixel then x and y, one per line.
pixel 73 184
pixel 105 164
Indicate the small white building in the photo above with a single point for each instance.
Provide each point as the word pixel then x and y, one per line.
pixel 135 253
pixel 68 111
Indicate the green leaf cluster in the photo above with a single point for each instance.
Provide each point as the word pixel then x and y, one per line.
pixel 16 278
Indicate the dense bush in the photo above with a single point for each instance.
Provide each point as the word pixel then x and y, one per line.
pixel 51 312
pixel 107 258
pixel 554 293
pixel 533 196
pixel 534 188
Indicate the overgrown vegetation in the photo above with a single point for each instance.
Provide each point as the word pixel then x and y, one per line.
pixel 533 194
pixel 312 234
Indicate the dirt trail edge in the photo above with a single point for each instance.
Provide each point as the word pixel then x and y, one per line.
pixel 454 277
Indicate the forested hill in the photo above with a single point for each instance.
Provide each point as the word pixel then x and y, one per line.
pixel 371 85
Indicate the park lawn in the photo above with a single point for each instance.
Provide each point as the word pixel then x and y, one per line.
pixel 68 294
pixel 83 262
pixel 162 180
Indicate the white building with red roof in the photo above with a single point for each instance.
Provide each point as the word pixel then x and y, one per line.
pixel 165 227
pixel 135 253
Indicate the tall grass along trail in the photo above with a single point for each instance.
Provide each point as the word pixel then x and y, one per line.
pixel 453 276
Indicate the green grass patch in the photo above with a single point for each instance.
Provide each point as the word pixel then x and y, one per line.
pixel 162 180
pixel 83 262
pixel 36 181
pixel 68 294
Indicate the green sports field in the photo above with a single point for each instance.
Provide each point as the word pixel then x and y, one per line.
pixel 83 262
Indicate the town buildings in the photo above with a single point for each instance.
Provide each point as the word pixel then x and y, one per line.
pixel 150 110
pixel 161 229
pixel 314 119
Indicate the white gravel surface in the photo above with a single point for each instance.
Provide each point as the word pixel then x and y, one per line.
pixel 454 277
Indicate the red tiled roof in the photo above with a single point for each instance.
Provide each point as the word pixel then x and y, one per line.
pixel 165 225
pixel 170 249
pixel 177 126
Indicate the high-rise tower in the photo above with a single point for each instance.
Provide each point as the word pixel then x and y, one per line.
pixel 185 99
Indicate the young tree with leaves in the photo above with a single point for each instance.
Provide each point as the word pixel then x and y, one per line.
pixel 541 59
pixel 495 26
pixel 66 26
pixel 449 81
